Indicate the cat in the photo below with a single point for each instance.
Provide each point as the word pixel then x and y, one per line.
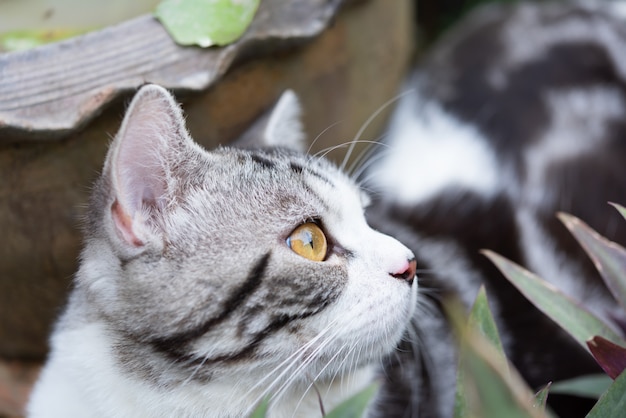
pixel 211 280
pixel 201 289
pixel 517 113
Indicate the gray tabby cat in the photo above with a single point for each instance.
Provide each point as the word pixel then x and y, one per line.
pixel 210 280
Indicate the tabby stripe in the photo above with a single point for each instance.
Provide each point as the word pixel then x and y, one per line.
pixel 266 163
pixel 249 350
pixel 299 169
pixel 173 345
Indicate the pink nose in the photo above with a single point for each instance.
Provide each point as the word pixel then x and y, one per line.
pixel 407 273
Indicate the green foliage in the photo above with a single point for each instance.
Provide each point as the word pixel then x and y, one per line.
pixel 608 257
pixel 570 315
pixel 612 403
pixel 206 22
pixel 591 386
pixel 541 397
pixel 605 344
pixel 261 410
pixel 487 385
pixel 353 407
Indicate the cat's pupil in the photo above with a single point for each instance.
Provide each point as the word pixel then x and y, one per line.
pixel 308 240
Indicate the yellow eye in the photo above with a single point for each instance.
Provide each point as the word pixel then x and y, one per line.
pixel 308 240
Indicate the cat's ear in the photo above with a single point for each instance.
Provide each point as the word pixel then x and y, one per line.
pixel 150 139
pixel 284 126
pixel 279 127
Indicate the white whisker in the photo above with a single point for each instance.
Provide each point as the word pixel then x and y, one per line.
pixel 367 123
pixel 321 134
pixel 287 365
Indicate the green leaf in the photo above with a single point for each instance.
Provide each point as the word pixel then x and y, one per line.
pixel 354 407
pixel 261 410
pixel 573 318
pixel 608 257
pixel 482 320
pixel 487 386
pixel 541 397
pixel 461 408
pixel 206 22
pixel 590 386
pixel 613 403
pixel 492 390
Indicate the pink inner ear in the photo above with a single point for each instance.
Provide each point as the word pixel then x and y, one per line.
pixel 124 225
pixel 152 135
pixel 140 170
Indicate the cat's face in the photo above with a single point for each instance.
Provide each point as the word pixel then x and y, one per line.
pixel 238 259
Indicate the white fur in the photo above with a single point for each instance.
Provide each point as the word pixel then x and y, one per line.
pixel 618 8
pixel 82 380
pixel 430 150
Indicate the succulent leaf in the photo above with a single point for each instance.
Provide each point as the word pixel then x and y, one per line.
pixel 608 257
pixel 570 315
pixel 611 357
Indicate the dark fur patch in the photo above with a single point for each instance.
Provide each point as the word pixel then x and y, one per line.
pixel 250 349
pixel 296 168
pixel 173 346
pixel 264 162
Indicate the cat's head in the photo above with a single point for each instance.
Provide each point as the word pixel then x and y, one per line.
pixel 238 259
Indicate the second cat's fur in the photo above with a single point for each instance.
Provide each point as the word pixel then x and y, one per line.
pixel 516 114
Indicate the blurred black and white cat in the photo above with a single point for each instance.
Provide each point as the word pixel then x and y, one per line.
pixel 516 114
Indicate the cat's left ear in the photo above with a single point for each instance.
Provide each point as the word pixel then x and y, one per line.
pixel 141 163
pixel 280 127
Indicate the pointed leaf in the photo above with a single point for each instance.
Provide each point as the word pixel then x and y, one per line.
pixel 613 402
pixel 608 257
pixel 491 387
pixel 590 386
pixel 621 209
pixel 206 22
pixel 573 318
pixel 611 357
pixel 355 406
pixel 482 320
pixel 541 397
